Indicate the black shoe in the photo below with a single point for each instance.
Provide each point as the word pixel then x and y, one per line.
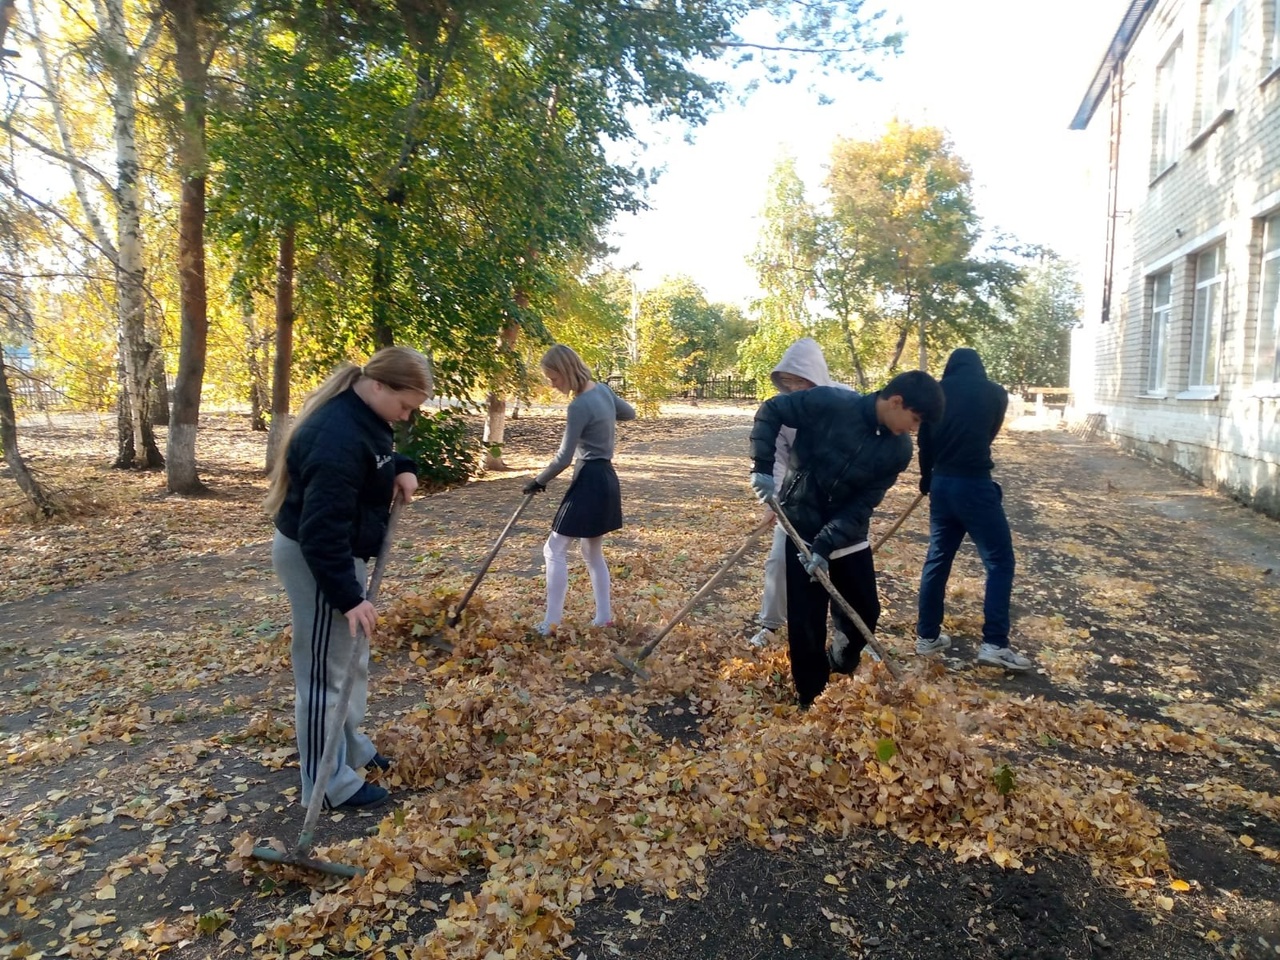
pixel 381 762
pixel 368 795
pixel 804 705
pixel 842 656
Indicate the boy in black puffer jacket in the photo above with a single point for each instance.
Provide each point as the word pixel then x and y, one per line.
pixel 847 453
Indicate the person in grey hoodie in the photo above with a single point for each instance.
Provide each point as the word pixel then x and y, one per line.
pixel 955 471
pixel 802 366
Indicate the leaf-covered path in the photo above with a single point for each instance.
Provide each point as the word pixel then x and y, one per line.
pixel 1123 798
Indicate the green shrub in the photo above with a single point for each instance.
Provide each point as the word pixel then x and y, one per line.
pixel 443 447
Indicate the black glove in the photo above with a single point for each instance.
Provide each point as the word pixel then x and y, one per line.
pixel 924 483
pixel 533 486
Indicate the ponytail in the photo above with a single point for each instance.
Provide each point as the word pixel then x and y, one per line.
pixel 401 368
pixel 341 379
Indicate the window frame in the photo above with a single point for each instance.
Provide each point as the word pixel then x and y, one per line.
pixel 1207 323
pixel 1169 109
pixel 1225 20
pixel 1274 44
pixel 1160 320
pixel 1268 382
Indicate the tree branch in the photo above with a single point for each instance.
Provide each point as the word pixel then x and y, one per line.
pixel 771 48
pixel 107 251
pixel 58 155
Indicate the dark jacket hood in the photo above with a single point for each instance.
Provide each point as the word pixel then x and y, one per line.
pixel 965 362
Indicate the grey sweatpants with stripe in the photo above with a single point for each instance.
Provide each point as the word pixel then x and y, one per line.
pixel 321 654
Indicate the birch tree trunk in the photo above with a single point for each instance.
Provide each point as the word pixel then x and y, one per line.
pixel 136 445
pixel 495 425
pixel 131 302
pixel 184 27
pixel 9 439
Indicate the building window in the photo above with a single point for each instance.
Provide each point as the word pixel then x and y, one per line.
pixel 1168 112
pixel 1206 317
pixel 1268 364
pixel 1222 46
pixel 1275 35
pixel 1161 314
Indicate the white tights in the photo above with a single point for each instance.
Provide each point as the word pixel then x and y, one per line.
pixel 556 553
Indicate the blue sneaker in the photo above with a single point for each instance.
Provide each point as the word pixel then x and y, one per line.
pixel 368 795
pixel 381 762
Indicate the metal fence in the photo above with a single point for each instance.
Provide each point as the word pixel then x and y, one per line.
pixel 30 393
pixel 714 388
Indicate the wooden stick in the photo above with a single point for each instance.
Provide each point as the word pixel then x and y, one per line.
pixel 824 578
pixel 897 523
pixel 648 648
pixel 484 566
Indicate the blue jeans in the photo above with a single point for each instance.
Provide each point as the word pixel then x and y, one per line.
pixel 973 506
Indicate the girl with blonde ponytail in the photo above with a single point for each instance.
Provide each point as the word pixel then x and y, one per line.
pixel 592 505
pixel 330 497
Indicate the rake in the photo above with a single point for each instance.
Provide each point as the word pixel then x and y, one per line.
pixel 300 855
pixel 435 639
pixel 823 578
pixel 648 648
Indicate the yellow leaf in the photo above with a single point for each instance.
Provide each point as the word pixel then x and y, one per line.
pixel 106 893
pixel 831 880
pixel 634 916
pixel 1180 885
pixel 1165 903
pixel 786 940
pixel 1246 840
pixel 396 884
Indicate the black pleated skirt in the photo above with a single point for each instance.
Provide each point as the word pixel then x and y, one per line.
pixel 592 506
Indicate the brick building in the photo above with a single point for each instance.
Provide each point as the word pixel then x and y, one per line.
pixel 1177 358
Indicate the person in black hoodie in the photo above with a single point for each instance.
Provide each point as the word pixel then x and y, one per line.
pixel 330 496
pixel 955 471
pixel 847 453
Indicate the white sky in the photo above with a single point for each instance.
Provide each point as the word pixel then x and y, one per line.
pixel 1002 77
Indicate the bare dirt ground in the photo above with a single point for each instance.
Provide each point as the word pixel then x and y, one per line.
pixel 1120 801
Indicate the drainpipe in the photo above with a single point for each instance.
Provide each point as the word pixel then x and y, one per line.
pixel 1113 187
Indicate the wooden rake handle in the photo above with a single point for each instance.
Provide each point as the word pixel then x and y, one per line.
pixel 706 588
pixel 897 523
pixel 824 578
pixel 333 731
pixel 484 566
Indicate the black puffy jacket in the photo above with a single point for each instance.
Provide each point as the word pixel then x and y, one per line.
pixel 842 462
pixel 342 472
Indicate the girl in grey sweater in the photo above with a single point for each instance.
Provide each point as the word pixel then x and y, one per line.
pixel 592 506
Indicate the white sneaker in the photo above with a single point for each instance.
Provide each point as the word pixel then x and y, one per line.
pixel 545 629
pixel 989 655
pixel 925 647
pixel 763 638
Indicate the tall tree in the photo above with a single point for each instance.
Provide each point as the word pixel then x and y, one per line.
pixel 112 54
pixel 784 263
pixel 1031 346
pixel 190 33
pixel 902 238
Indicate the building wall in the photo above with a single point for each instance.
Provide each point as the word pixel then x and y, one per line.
pixel 1225 179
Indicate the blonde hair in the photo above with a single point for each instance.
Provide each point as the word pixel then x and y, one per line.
pixel 564 361
pixel 400 368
